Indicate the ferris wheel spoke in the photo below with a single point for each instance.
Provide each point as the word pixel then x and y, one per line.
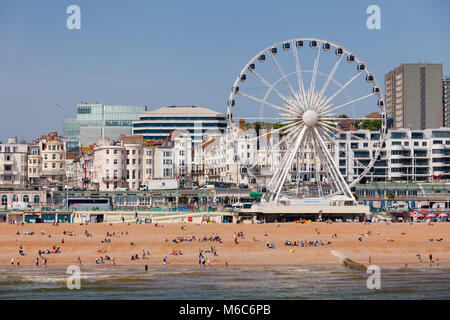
pixel 349 118
pixel 328 110
pixel 317 166
pixel 270 86
pixel 287 163
pixel 267 103
pixel 269 118
pixel 348 154
pixel 301 85
pixel 340 179
pixel 274 131
pixel 330 77
pixel 282 74
pixel 342 131
pixel 339 91
pixel 312 86
pixel 275 177
pixel 332 177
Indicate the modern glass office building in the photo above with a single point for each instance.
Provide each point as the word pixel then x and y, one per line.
pixel 160 123
pixel 96 121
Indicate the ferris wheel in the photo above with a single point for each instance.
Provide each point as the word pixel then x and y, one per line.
pixel 313 98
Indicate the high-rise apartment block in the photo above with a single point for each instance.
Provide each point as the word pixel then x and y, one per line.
pixel 446 101
pixel 414 96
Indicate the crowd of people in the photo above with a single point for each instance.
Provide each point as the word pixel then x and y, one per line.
pixel 307 243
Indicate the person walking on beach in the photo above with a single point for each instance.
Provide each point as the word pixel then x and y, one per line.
pixel 165 260
pixel 37 262
pixel 12 261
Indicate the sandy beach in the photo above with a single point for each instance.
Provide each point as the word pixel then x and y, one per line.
pixel 384 244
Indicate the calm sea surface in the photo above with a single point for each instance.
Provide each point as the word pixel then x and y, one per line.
pixel 302 282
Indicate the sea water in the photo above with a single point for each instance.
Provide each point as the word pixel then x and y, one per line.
pixel 168 282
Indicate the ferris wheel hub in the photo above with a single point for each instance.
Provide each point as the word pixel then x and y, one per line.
pixel 310 118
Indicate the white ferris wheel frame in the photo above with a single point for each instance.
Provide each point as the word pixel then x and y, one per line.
pixel 303 100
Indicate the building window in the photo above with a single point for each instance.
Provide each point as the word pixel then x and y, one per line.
pixel 4 200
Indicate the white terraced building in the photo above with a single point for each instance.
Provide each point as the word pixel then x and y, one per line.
pixel 407 155
pixel 160 123
pixel 13 164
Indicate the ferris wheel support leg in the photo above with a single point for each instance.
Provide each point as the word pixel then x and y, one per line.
pixel 274 181
pixel 345 189
pixel 287 167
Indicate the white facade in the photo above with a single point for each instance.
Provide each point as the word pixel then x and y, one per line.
pixel 160 123
pixel 109 168
pixel 182 148
pixel 13 164
pixel 53 156
pixel 408 155
pixel 134 174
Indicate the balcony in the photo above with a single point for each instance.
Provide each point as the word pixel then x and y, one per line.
pixel 8 172
pixel 114 179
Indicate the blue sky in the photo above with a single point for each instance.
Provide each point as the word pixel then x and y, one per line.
pixel 159 53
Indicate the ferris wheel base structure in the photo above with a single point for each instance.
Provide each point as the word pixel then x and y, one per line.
pixel 311 208
pixel 337 200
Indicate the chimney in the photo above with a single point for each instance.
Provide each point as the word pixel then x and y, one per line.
pixel 242 124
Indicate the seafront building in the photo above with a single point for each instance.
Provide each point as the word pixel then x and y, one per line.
pixel 52 154
pixel 414 96
pixel 160 123
pixel 446 101
pixel 13 164
pixel 407 155
pixel 95 120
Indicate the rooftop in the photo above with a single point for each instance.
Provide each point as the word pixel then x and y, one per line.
pixel 183 111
